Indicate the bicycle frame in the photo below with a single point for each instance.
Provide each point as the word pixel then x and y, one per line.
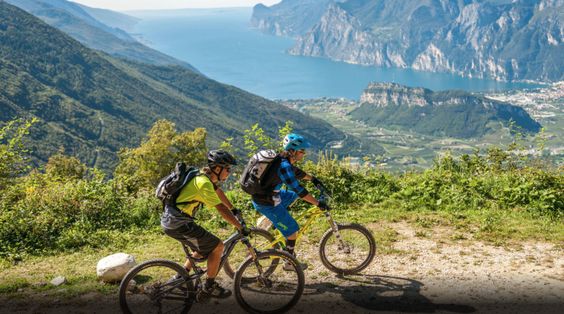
pixel 309 216
pixel 229 245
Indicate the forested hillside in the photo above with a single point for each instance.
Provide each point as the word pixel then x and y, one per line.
pixel 447 113
pixel 93 104
pixel 88 26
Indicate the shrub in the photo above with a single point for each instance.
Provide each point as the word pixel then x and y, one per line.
pixel 143 166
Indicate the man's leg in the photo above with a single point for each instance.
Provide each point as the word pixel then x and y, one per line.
pixel 291 242
pixel 287 198
pixel 214 259
pixel 212 288
pixel 188 265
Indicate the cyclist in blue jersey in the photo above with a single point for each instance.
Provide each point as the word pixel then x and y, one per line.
pixel 274 203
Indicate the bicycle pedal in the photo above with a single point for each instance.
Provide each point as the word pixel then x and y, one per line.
pixel 202 297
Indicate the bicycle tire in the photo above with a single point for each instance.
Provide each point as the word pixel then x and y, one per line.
pixel 291 285
pixel 360 232
pixel 256 234
pixel 128 284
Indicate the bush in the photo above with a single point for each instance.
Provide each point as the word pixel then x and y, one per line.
pixel 12 151
pixel 43 213
pixel 69 206
pixel 143 166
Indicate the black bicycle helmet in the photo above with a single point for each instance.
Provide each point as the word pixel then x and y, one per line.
pixel 219 157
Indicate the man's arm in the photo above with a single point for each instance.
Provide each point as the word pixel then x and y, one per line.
pixel 289 176
pixel 226 211
pixel 228 216
pixel 302 175
pixel 224 199
pixel 213 196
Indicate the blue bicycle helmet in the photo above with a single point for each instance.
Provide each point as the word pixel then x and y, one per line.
pixel 295 141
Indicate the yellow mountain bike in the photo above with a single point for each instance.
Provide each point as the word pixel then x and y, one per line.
pixel 345 248
pixel 259 285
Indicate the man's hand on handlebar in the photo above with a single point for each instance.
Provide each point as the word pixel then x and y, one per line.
pixel 237 214
pixel 323 204
pixel 244 229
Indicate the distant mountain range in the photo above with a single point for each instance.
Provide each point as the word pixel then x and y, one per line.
pixel 97 29
pixel 500 39
pixel 451 113
pixel 94 104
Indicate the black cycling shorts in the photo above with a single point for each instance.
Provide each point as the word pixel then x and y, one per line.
pixel 195 237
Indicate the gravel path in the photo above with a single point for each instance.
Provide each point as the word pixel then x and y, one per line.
pixel 425 276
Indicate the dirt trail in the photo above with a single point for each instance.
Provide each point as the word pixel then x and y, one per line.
pixel 426 276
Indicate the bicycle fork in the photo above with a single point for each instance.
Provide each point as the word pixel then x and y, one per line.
pixel 261 276
pixel 342 246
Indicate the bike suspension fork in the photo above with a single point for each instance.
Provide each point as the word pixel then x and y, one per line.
pixel 335 229
pixel 253 253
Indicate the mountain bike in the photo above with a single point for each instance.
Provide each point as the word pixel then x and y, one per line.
pixel 260 286
pixel 345 248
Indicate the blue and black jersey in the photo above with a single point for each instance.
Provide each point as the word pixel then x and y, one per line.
pixel 280 173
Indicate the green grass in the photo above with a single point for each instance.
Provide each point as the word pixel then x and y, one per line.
pixel 508 228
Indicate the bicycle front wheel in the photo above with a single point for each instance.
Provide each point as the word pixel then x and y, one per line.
pixel 259 239
pixel 349 253
pixel 272 290
pixel 156 286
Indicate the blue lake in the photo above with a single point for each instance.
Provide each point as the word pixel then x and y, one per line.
pixel 222 44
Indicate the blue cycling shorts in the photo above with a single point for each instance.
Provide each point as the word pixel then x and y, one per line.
pixel 279 214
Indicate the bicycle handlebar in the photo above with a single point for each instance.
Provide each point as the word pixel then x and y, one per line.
pixel 323 200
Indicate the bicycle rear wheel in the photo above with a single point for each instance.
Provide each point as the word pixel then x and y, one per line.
pixel 273 291
pixel 259 238
pixel 350 254
pixel 151 287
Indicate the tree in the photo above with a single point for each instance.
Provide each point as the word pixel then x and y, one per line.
pixel 157 155
pixel 62 167
pixel 256 139
pixel 12 150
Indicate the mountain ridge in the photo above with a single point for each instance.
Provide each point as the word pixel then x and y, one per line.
pixel 447 113
pixel 76 20
pixel 503 40
pixel 77 92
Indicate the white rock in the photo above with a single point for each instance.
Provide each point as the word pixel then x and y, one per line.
pixel 112 268
pixel 58 281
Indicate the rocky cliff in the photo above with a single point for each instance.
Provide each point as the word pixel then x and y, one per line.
pixel 499 39
pixel 288 18
pixel 450 113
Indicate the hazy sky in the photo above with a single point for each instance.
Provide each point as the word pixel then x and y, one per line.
pixel 124 5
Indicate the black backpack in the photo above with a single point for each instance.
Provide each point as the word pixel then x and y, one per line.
pixel 170 186
pixel 253 177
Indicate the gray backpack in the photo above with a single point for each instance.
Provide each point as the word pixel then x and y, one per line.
pixel 170 186
pixel 253 178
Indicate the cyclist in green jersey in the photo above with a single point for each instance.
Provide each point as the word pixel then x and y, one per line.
pixel 179 223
